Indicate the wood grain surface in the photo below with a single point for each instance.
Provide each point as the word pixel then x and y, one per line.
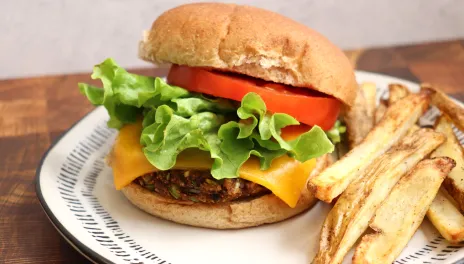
pixel 35 111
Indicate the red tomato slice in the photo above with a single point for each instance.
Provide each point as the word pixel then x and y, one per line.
pixel 307 106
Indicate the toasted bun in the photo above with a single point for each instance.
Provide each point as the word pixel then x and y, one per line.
pixel 250 41
pixel 262 210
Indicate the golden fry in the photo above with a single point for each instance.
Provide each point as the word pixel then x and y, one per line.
pixel 446 105
pixel 397 92
pixel 446 217
pixel 380 111
pixel 454 183
pixel 413 129
pixel 397 121
pixel 353 210
pixel 399 216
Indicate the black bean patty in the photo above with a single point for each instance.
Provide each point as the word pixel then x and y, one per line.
pixel 199 186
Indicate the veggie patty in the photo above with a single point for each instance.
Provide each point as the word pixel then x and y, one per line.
pixel 199 186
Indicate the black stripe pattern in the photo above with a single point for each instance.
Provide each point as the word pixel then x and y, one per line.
pixel 109 235
pixel 435 251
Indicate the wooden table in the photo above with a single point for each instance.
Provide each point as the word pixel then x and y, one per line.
pixel 34 111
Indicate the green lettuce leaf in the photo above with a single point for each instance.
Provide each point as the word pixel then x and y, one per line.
pixel 335 132
pixel 175 119
pixel 124 93
pixel 230 144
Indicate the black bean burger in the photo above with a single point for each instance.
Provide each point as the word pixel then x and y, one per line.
pixel 247 114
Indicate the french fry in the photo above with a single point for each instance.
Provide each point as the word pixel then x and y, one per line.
pixel 370 94
pixel 446 105
pixel 397 92
pixel 446 217
pixel 413 129
pixel 399 216
pixel 454 183
pixel 398 120
pixel 380 111
pixel 350 215
pixel 357 121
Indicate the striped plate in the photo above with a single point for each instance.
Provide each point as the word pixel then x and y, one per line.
pixel 76 190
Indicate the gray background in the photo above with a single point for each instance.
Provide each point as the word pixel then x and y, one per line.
pixel 61 36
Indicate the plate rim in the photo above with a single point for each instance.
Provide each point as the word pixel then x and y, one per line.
pixel 84 250
pixel 79 246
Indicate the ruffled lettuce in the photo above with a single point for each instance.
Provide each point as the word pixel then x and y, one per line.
pixel 335 133
pixel 175 119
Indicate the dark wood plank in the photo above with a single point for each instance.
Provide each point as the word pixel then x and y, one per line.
pixel 448 75
pixel 26 234
pixel 450 51
pixel 386 61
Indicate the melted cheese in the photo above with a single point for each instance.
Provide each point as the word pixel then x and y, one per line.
pixel 286 178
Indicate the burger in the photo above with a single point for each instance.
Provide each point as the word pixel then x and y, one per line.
pixel 247 114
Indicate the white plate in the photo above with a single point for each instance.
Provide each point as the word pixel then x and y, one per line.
pixel 76 190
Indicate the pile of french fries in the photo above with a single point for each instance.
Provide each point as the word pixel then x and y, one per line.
pixel 394 174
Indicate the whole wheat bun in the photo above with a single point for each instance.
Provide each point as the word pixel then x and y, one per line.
pixel 250 41
pixel 262 210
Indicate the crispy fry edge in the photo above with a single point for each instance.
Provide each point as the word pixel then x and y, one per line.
pixel 446 217
pixel 335 239
pixel 326 188
pixel 397 92
pixel 445 104
pixel 454 182
pixel 363 254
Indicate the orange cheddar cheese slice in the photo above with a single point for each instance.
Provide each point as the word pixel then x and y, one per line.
pixel 286 177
